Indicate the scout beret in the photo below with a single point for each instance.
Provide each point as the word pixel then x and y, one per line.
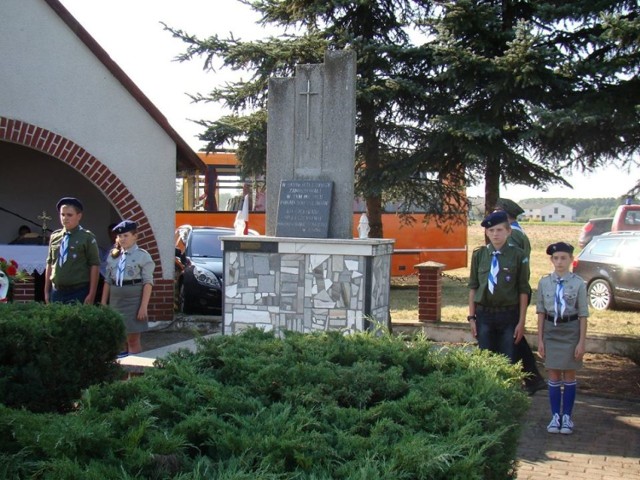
pixel 494 219
pixel 74 202
pixel 559 247
pixel 509 206
pixel 125 226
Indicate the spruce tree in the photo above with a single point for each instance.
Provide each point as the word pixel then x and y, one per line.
pixel 521 92
pixel 493 91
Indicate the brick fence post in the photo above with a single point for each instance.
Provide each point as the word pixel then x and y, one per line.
pixel 23 292
pixel 429 291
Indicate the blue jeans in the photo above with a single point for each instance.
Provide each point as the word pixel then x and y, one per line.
pixel 69 296
pixel 495 331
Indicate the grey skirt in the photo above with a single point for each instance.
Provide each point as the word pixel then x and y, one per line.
pixel 126 300
pixel 560 343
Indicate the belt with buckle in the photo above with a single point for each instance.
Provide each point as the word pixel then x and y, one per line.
pixel 508 308
pixel 70 288
pixel 131 282
pixel 570 318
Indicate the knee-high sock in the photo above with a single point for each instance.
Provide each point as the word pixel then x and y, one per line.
pixel 555 396
pixel 568 397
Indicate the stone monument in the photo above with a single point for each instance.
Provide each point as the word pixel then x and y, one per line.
pixel 309 273
pixel 311 135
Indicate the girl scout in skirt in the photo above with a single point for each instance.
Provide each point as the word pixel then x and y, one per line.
pixel 128 283
pixel 562 330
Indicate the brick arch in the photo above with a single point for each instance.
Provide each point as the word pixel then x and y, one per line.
pixel 72 154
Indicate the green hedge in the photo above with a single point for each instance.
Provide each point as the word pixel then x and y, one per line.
pixel 50 353
pixel 253 406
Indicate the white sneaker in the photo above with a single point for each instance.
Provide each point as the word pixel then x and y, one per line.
pixel 567 425
pixel 554 424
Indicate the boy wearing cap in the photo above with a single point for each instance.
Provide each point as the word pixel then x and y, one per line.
pixel 128 283
pixel 73 261
pixel 533 380
pixel 498 289
pixel 562 331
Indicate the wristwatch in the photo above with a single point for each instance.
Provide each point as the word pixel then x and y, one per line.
pixel 471 317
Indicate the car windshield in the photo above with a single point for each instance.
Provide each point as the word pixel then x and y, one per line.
pixel 605 247
pixel 206 244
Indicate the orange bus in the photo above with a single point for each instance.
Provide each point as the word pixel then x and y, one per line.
pixel 215 198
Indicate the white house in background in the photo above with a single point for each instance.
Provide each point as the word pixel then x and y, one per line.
pixel 553 212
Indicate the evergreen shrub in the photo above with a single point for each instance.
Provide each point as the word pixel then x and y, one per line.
pixel 252 406
pixel 50 353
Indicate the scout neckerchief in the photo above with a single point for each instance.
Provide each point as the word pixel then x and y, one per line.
pixel 64 248
pixel 121 266
pixel 559 305
pixel 493 273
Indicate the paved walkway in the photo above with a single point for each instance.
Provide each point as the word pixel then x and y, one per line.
pixel 605 444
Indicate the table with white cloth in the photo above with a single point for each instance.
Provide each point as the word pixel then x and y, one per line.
pixel 30 258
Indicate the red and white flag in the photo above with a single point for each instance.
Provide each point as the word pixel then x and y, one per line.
pixel 243 214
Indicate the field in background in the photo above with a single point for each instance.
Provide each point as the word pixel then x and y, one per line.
pixel 404 293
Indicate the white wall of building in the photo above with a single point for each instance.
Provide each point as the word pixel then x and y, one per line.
pixel 553 212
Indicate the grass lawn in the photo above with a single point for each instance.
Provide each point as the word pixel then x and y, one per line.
pixel 404 292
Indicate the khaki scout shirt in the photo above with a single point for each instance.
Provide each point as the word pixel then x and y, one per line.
pixel 575 295
pixel 83 254
pixel 138 266
pixel 513 276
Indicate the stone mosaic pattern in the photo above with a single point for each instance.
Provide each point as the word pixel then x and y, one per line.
pixel 305 292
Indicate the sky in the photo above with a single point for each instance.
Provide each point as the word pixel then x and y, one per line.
pixel 131 33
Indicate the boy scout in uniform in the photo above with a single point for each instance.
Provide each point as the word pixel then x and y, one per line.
pixel 533 381
pixel 498 289
pixel 73 261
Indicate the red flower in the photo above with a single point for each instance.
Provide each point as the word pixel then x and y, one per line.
pixel 14 263
pixel 12 270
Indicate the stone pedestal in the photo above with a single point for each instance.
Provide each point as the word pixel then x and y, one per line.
pixel 305 285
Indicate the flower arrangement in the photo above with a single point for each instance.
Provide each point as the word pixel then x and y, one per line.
pixel 9 274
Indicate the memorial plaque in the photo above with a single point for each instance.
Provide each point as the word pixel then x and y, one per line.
pixel 249 246
pixel 304 209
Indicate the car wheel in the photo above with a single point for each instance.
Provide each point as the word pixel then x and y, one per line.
pixel 600 295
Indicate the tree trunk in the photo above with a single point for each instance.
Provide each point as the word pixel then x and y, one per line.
pixel 491 184
pixel 371 152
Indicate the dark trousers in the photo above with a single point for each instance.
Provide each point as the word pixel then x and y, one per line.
pixel 523 352
pixel 69 296
pixel 495 331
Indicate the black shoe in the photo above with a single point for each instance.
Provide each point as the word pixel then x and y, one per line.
pixel 535 385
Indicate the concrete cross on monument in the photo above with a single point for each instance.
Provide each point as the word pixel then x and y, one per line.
pixel 308 94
